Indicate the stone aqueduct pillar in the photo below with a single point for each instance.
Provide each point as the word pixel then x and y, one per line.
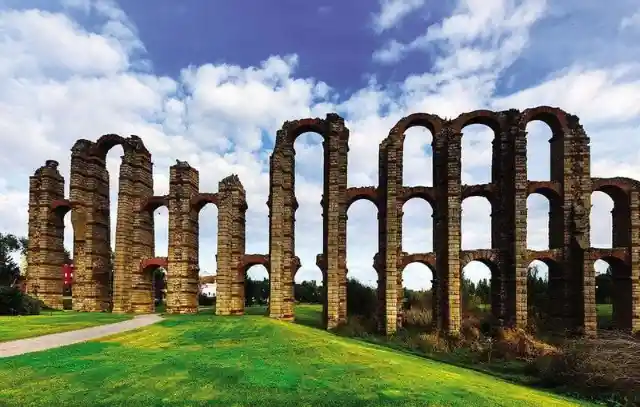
pixel 46 235
pixel 182 273
pixel 283 204
pixel 232 206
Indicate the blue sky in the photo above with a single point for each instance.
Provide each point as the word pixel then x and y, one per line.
pixel 211 82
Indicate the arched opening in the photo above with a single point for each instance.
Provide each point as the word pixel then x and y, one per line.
pixel 476 223
pixel 67 264
pixel 159 288
pixel 113 160
pixel 309 180
pixel 543 294
pixel 476 299
pixel 476 154
pixel 362 244
pixel 417 226
pixel 417 297
pixel 207 249
pixel 539 136
pixel 161 246
pixel 362 297
pixel 601 220
pixel 161 231
pixel 256 290
pixel 614 294
pixel 538 215
pixel 417 157
pixel 309 296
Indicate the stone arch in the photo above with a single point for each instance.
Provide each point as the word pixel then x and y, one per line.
pixel 623 287
pixel 553 117
pixel 484 256
pixel 551 191
pixel 250 260
pixel 199 201
pixel 355 194
pixel 152 203
pixel 425 259
pixel 618 189
pixel 487 191
pixel 553 307
pixel 282 206
pixel 142 295
pixel 428 194
pixel 480 194
pixel 431 122
pixel 489 259
pixel 106 142
pixel 487 118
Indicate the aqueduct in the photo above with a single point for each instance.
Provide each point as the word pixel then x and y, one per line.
pixel 572 277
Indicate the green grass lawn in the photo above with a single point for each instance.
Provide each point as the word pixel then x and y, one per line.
pixel 50 322
pixel 198 360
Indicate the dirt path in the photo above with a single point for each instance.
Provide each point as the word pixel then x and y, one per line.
pixel 39 343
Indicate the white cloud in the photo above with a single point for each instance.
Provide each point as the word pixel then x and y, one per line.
pixel 393 11
pixel 630 22
pixel 62 82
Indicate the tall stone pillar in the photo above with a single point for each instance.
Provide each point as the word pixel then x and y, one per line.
pixel 634 256
pixel 45 253
pixel 336 148
pixel 182 273
pixel 232 206
pixel 127 210
pixel 80 196
pixel 447 159
pixel 132 290
pixel 571 155
pixel 96 286
pixel 509 221
pixel 390 240
pixel 282 206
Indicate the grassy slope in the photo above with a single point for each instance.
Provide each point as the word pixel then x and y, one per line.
pixel 241 361
pixel 52 322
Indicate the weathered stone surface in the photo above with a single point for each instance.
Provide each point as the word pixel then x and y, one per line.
pixel 570 259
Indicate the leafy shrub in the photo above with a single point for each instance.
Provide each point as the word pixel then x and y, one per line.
pixel 361 300
pixel 205 300
pixel 15 302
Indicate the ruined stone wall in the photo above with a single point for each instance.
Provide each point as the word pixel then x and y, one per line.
pixel 334 215
pixel 282 206
pixel 182 273
pixel 634 260
pixel 570 257
pixel 230 275
pixel 138 296
pixel 80 197
pixel 46 235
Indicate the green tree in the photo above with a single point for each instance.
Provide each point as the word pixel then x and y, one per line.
pixel 9 268
pixel 308 292
pixel 604 287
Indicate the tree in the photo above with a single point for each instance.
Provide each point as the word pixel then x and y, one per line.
pixel 308 292
pixel 9 268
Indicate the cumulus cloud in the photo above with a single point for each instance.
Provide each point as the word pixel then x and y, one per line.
pixel 62 81
pixel 392 12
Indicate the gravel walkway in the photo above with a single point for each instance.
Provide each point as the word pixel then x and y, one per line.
pixel 21 346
